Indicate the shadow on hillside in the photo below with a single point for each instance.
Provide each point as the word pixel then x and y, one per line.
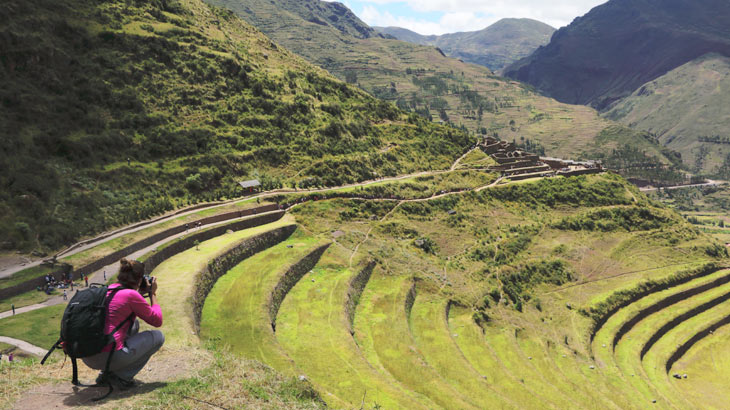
pixel 84 396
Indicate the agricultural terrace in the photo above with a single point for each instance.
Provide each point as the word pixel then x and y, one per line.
pixel 482 299
pixel 561 293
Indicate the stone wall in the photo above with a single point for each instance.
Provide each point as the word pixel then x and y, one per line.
pixel 354 291
pixel 152 260
pixel 679 319
pixel 208 276
pixel 664 303
pixel 115 256
pixel 681 350
pixel 289 279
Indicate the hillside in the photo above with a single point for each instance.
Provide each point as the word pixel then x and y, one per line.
pixel 621 45
pixel 494 47
pixel 117 111
pixel 687 109
pixel 422 80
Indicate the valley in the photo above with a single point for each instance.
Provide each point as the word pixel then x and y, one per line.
pixel 339 219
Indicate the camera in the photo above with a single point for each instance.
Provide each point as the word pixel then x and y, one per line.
pixel 146 281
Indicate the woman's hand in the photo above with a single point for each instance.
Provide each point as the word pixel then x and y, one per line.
pixel 152 286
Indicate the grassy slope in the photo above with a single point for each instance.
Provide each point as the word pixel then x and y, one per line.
pixel 683 105
pixel 419 77
pixel 118 111
pixel 213 376
pixel 236 314
pixel 537 355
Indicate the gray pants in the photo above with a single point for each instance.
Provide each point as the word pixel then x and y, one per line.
pixel 137 350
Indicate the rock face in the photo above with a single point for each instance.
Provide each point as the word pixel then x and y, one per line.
pixel 621 45
pixel 495 47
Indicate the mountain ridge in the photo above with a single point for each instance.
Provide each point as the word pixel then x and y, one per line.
pixel 615 48
pixel 494 47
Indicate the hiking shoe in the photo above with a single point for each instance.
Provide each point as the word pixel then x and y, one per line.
pixel 124 384
pixel 114 380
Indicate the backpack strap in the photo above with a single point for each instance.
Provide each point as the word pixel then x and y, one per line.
pixel 54 347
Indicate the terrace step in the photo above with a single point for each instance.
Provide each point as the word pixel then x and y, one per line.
pixel 236 312
pixel 381 330
pixel 430 329
pixel 524 388
pixel 655 361
pixel 628 352
pixel 313 329
pixel 176 278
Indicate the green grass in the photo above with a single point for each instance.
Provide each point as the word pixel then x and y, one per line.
pixel 705 365
pixel 175 278
pixel 40 327
pixel 521 386
pixel 235 314
pixel 24 275
pixel 381 330
pixel 28 298
pixel 431 334
pixel 311 327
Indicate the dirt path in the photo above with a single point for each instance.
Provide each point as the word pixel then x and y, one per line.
pixel 12 265
pixel 98 276
pixel 709 182
pixel 458 160
pixel 23 345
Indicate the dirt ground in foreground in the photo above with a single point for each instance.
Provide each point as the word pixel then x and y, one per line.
pixel 167 365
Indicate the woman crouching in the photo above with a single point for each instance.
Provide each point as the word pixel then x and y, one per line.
pixel 132 348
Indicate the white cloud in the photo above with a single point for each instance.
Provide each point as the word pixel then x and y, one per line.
pixel 469 15
pixel 448 23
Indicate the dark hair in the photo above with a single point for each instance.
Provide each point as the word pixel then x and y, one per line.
pixel 130 272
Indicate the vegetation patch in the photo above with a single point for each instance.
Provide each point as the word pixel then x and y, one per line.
pixel 630 219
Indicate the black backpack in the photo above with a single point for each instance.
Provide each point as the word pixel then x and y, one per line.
pixel 82 329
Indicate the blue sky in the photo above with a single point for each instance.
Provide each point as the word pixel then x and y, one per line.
pixel 449 16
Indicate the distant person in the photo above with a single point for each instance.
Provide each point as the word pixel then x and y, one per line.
pixel 10 357
pixel 13 308
pixel 104 275
pixel 65 296
pixel 86 280
pixel 132 348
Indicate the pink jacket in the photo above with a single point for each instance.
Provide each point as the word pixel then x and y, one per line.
pixel 125 302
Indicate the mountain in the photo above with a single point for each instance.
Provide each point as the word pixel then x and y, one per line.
pixel 423 80
pixel 119 110
pixel 621 45
pixel 688 110
pixel 495 47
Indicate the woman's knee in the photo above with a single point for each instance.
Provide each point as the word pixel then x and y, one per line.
pixel 159 338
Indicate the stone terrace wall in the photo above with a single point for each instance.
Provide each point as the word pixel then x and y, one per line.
pixel 354 291
pixel 155 258
pixel 208 276
pixel 696 338
pixel 115 256
pixel 664 303
pixel 290 278
pixel 679 319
